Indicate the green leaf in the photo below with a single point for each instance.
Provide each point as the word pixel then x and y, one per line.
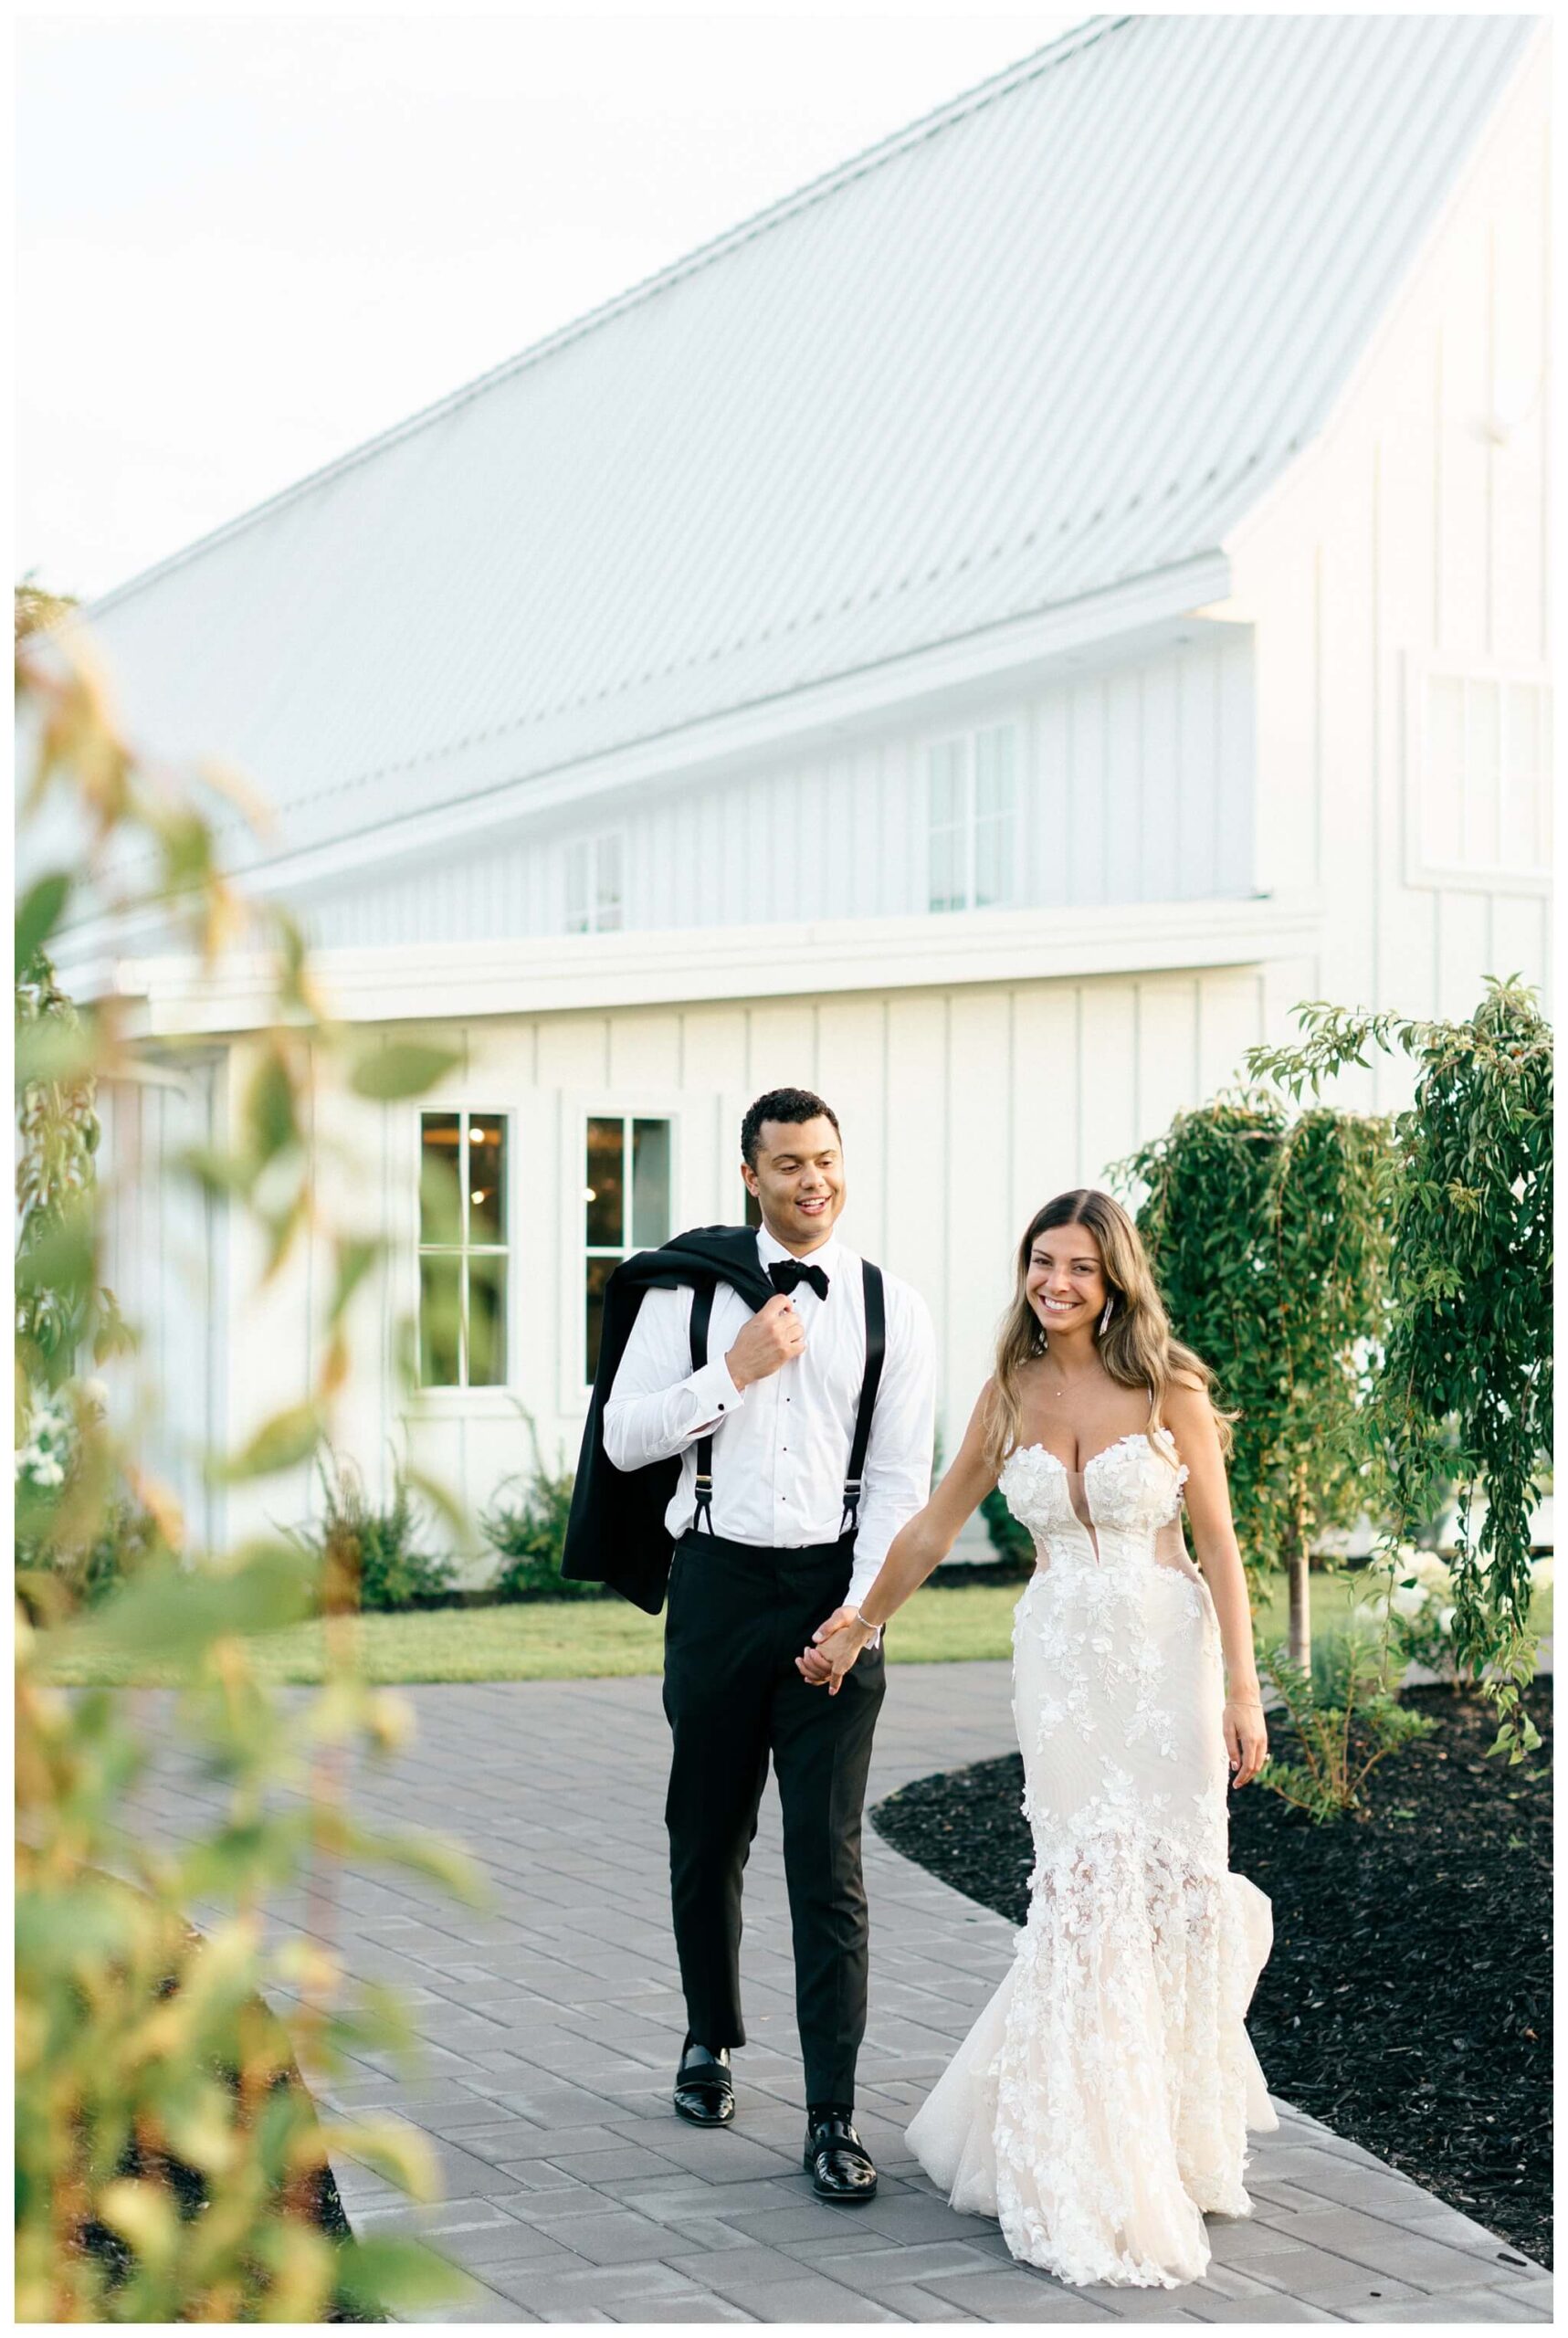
pixel 383 2275
pixel 55 1051
pixel 355 1260
pixel 407 1068
pixel 399 2152
pixel 269 1116
pixel 432 1856
pixel 281 1443
pixel 174 1612
pixel 42 907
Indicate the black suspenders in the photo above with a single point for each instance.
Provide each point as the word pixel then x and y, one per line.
pixel 876 1349
pixel 701 1308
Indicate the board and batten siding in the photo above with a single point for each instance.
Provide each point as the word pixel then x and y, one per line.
pixel 964 1109
pixel 1133 783
pixel 166 1257
pixel 1413 538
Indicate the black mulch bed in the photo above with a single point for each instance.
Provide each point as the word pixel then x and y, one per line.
pixel 1408 2003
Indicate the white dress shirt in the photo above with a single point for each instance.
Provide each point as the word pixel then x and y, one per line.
pixel 781 1445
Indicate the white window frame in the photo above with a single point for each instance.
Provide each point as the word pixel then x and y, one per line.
pixel 597 915
pixel 575 1343
pixel 965 744
pixel 465 1394
pixel 1431 871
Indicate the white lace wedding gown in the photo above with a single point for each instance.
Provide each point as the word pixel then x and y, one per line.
pixel 1100 2103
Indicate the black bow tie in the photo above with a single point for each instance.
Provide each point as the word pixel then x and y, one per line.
pixel 785 1273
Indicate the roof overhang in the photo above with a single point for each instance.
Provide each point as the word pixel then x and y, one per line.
pixel 562 973
pixel 940 683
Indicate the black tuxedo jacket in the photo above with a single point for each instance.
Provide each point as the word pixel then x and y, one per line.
pixel 617 1532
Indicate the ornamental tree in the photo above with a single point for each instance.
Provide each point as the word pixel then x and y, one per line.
pixel 1465 1385
pixel 1268 1237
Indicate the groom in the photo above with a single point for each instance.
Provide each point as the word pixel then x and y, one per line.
pixel 773 1393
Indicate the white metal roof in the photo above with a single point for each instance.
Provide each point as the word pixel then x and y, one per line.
pixel 1059 336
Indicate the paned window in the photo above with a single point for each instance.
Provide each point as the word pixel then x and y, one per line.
pixel 594 902
pixel 973 820
pixel 463 1243
pixel 626 1208
pixel 1485 796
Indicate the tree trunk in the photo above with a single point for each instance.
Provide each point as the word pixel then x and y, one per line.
pixel 1300 1631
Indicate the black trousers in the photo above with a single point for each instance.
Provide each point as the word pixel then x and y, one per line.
pixel 738 1619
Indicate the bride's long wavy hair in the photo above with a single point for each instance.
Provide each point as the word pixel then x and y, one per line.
pixel 1136 1347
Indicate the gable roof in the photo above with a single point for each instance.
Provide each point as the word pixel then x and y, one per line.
pixel 1062 334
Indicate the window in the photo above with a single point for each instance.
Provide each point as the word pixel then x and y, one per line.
pixel 1485 783
pixel 626 1208
pixel 973 820
pixel 463 1251
pixel 594 900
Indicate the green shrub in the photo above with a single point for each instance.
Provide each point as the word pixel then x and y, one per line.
pixel 375 1553
pixel 1344 1720
pixel 129 1538
pixel 1013 1543
pixel 528 1532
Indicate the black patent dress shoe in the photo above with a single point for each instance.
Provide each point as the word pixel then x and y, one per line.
pixel 704 2090
pixel 838 2162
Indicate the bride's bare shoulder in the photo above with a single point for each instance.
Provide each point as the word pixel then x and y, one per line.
pixel 1186 1411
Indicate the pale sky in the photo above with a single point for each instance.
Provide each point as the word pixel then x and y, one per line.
pixel 247 243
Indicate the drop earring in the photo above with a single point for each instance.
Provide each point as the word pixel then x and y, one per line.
pixel 1106 1316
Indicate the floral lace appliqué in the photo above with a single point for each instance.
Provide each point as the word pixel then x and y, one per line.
pixel 1100 2105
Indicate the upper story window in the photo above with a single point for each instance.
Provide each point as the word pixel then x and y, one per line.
pixel 973 820
pixel 1484 793
pixel 594 899
pixel 464 1249
pixel 626 1208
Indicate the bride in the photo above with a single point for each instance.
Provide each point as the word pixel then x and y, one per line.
pixel 1099 2106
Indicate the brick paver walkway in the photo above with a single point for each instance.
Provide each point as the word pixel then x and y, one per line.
pixel 551 2029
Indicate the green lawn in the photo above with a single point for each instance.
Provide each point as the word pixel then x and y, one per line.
pixel 573 1639
pixel 602 1639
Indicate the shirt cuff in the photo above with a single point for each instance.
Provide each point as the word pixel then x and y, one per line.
pixel 715 1392
pixel 863 1577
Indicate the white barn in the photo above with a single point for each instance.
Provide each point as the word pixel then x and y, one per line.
pixel 984 639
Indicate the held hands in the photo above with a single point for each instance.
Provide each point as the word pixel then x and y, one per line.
pixel 1245 1738
pixel 770 1339
pixel 833 1648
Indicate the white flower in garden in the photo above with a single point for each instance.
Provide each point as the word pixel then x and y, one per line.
pixel 1428 1569
pixel 1542 1573
pixel 1446 1618
pixel 1409 1599
pixel 51 1436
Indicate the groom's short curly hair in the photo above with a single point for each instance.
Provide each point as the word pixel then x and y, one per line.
pixel 790 1106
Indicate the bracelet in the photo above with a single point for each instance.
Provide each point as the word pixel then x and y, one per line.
pixel 875 1630
pixel 1246 1700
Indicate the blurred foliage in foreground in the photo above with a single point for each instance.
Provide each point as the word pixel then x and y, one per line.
pixel 169 2165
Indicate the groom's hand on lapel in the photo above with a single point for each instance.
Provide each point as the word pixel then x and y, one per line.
pixel 772 1337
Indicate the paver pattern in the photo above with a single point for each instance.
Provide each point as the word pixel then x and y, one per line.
pixel 552 2023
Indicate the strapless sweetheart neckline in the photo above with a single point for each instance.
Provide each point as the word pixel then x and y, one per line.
pixel 1099 2106
pixel 1132 1438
